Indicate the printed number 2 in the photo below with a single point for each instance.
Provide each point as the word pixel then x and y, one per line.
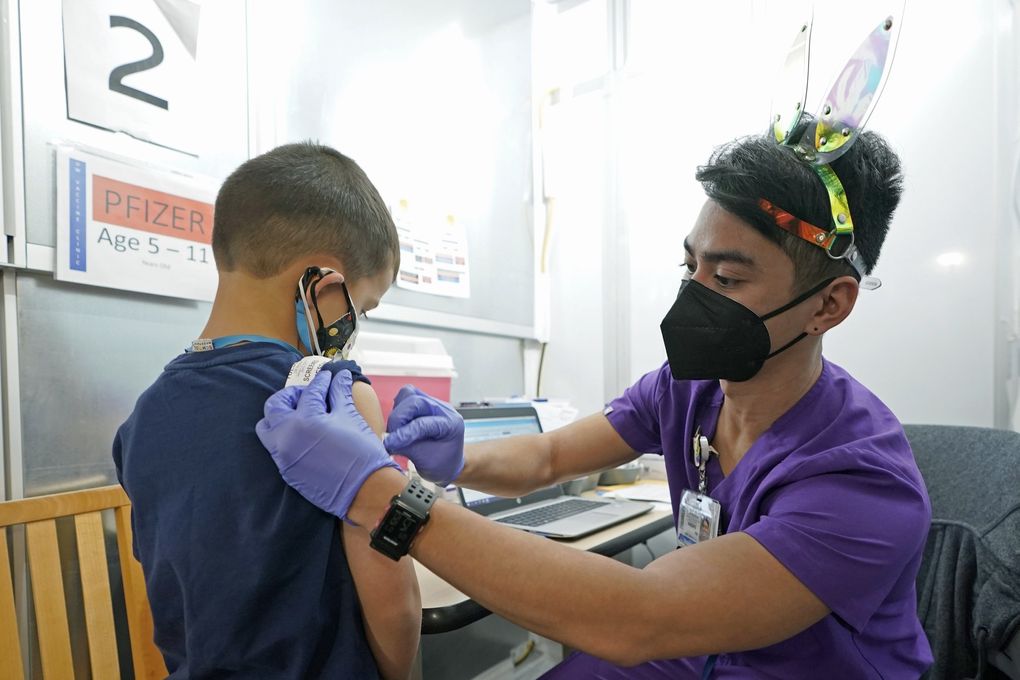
pixel 154 60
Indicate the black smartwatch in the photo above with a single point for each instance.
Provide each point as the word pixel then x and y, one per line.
pixel 408 513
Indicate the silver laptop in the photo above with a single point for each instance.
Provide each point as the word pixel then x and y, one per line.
pixel 547 511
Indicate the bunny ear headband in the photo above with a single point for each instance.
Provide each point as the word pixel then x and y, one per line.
pixel 835 128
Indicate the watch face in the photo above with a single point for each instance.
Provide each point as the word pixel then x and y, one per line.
pixel 408 513
pixel 398 528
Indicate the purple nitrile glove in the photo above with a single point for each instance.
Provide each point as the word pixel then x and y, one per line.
pixel 326 452
pixel 429 432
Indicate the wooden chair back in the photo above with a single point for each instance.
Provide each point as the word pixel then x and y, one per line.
pixel 39 516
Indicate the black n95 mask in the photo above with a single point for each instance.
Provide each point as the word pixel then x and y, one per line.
pixel 708 336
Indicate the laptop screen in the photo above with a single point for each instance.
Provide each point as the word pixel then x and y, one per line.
pixel 484 429
pixel 495 422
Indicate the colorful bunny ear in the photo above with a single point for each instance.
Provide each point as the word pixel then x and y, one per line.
pixel 791 92
pixel 837 126
pixel 853 95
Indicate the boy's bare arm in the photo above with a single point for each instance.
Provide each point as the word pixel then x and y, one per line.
pixel 388 590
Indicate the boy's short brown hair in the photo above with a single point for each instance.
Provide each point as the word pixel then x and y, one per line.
pixel 297 200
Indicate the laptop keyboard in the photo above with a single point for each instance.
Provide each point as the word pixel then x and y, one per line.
pixel 551 513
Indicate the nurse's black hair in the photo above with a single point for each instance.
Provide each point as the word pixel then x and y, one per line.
pixel 751 168
pixel 298 200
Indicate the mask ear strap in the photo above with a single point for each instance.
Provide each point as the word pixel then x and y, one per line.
pixel 303 296
pixel 351 309
pixel 324 277
pixel 315 303
pixel 790 305
pixel 799 299
pixel 787 345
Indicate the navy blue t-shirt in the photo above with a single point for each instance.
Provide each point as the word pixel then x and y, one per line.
pixel 245 577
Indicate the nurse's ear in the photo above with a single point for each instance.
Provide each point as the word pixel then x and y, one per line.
pixel 838 300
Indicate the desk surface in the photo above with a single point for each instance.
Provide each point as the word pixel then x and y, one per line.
pixel 444 608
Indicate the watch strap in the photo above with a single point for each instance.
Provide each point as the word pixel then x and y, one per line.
pixel 407 514
pixel 417 497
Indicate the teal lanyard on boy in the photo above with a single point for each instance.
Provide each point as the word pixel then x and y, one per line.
pixel 207 344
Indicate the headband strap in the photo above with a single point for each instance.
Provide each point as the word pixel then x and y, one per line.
pixel 832 131
pixel 823 239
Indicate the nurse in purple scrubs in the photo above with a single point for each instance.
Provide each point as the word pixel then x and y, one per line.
pixel 800 512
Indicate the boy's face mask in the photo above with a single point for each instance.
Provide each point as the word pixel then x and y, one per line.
pixel 334 340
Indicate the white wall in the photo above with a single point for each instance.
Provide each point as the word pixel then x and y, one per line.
pixel 933 342
pixel 691 83
pixel 411 90
pixel 582 295
pixel 926 342
pixel 432 100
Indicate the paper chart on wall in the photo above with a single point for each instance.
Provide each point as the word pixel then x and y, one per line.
pixel 131 227
pixel 433 254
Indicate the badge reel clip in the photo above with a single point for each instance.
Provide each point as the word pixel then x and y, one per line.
pixel 699 514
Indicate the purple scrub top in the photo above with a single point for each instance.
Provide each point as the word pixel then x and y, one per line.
pixel 831 489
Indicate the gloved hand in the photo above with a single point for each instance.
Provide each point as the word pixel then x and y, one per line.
pixel 325 452
pixel 429 432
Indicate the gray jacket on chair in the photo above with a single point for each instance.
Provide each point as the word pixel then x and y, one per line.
pixel 968 587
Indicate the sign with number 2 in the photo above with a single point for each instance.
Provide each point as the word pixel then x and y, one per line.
pixel 131 66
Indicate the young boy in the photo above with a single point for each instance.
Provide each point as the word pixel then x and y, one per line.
pixel 245 577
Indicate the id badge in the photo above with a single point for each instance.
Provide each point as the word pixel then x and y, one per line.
pixel 699 518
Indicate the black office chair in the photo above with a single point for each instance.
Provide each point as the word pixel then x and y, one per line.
pixel 968 587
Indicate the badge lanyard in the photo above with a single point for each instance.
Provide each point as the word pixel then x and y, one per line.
pixel 702 452
pixel 301 373
pixel 207 344
pixel 699 513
